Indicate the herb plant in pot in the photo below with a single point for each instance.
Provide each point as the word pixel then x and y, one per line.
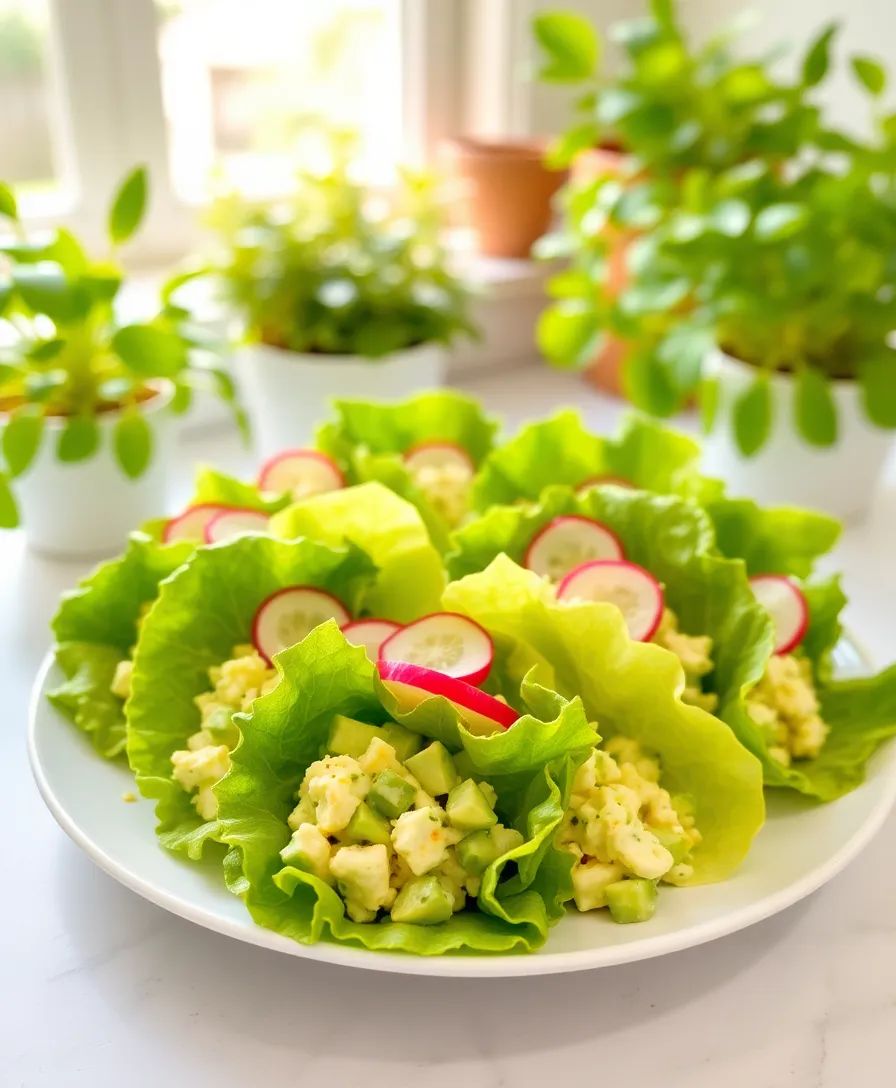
pixel 342 293
pixel 85 402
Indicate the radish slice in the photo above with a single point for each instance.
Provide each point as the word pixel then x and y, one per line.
pixel 287 616
pixel 444 642
pixel 412 685
pixel 785 603
pixel 439 455
pixel 233 521
pixel 567 543
pixel 370 634
pixel 190 525
pixel 598 481
pixel 635 592
pixel 301 473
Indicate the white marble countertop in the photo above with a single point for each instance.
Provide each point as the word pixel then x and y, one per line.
pixel 100 989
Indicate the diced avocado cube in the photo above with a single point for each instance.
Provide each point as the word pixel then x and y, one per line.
pixel 366 826
pixel 405 742
pixel 423 902
pixel 677 845
pixel 632 900
pixel 349 737
pixel 506 839
pixel 222 727
pixel 467 808
pixel 476 852
pixel 390 795
pixel 434 769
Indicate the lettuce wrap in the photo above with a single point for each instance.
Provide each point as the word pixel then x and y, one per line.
pixel 96 628
pixel 323 676
pixel 203 611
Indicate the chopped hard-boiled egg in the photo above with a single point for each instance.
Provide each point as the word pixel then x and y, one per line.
pixel 785 706
pixel 694 652
pixel 422 839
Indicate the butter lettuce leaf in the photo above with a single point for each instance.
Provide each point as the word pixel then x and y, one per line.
pixel 323 676
pixel 86 695
pixel 202 612
pixel 633 689
pixel 410 578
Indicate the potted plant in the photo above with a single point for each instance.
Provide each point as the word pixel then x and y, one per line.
pixel 342 293
pixel 776 289
pixel 679 112
pixel 85 400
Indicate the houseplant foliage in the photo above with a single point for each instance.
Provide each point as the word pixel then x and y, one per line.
pixel 64 354
pixel 335 270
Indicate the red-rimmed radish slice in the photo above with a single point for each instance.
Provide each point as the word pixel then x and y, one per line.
pixel 598 481
pixel 288 615
pixel 634 591
pixel 300 473
pixel 445 642
pixel 438 455
pixel 370 634
pixel 233 521
pixel 566 543
pixel 411 685
pixel 190 525
pixel 785 603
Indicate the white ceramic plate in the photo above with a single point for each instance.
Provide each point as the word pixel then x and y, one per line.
pixel 800 849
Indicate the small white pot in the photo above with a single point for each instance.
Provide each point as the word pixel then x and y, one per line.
pixel 787 471
pixel 288 395
pixel 87 508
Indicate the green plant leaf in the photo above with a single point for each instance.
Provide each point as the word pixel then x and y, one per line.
pixel 779 221
pixel 40 385
pixel 9 512
pixel 132 440
pixel 565 147
pixel 730 217
pixel 67 251
pixel 710 395
pixel 46 350
pixel 21 439
pixel 683 352
pixel 45 289
pixel 571 44
pixel 8 206
pixel 818 56
pixel 150 351
pixel 878 378
pixel 567 334
pixel 182 400
pixel 664 12
pixel 815 413
pixel 78 440
pixel 648 384
pixel 870 74
pixel 129 206
pixel 752 416
pixel 6 293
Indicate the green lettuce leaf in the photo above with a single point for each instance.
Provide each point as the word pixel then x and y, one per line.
pixel 410 579
pixel 633 689
pixel 323 676
pixel 561 450
pixel 96 627
pixel 202 612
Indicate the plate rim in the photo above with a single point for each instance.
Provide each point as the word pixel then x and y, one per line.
pixel 460 966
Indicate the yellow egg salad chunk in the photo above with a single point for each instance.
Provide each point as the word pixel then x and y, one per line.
pixel 121 681
pixel 785 706
pixel 622 826
pixel 694 652
pixel 236 684
pixel 447 487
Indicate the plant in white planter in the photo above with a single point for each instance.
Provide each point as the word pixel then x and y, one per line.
pixel 84 399
pixel 342 293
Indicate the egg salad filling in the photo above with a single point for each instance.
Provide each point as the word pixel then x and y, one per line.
pixel 447 488
pixel 121 681
pixel 393 826
pixel 625 832
pixel 236 684
pixel 693 651
pixel 785 706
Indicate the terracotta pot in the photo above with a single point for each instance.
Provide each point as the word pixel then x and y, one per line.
pixel 504 192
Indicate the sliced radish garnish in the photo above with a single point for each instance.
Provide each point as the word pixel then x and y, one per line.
pixel 287 616
pixel 567 543
pixel 300 473
pixel 438 455
pixel 598 481
pixel 412 685
pixel 190 525
pixel 370 634
pixel 785 603
pixel 635 592
pixel 445 642
pixel 233 521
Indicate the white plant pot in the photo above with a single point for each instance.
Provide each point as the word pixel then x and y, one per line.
pixel 288 395
pixel 787 471
pixel 87 508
